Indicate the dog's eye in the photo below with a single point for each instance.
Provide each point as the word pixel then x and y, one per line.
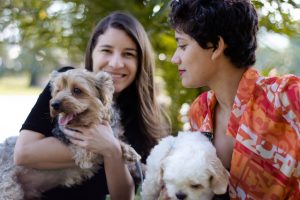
pixel 56 91
pixel 76 91
pixel 196 186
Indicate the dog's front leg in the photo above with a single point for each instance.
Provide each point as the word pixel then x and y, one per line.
pixel 83 158
pixel 129 154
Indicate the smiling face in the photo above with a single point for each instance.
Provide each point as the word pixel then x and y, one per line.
pixel 116 53
pixel 195 64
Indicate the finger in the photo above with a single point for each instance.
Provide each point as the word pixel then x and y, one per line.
pixel 74 134
pixel 77 129
pixel 77 142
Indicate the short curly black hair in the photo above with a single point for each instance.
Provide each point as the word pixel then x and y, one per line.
pixel 206 21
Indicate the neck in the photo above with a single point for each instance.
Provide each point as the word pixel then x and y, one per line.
pixel 226 84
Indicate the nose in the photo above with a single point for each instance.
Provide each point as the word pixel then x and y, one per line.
pixel 175 59
pixel 55 105
pixel 116 61
pixel 180 195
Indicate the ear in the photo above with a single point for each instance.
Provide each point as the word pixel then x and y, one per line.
pixel 219 176
pixel 105 87
pixel 53 75
pixel 219 50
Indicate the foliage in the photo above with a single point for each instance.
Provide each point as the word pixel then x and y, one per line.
pixel 12 85
pixel 54 33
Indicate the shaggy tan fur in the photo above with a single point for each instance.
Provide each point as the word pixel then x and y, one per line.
pixel 79 98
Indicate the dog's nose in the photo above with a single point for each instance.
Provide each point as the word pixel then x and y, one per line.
pixel 180 195
pixel 55 105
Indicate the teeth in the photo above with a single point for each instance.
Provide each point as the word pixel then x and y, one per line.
pixel 117 75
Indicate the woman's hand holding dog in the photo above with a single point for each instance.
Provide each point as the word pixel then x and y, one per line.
pixel 101 140
pixel 98 139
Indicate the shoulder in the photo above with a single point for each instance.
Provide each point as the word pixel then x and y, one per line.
pixel 279 84
pixel 65 68
pixel 282 91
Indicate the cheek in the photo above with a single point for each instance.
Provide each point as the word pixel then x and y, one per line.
pixel 98 62
pixel 133 70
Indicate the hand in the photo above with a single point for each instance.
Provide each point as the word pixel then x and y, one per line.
pixel 98 139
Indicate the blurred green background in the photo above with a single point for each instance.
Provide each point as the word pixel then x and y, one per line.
pixel 38 36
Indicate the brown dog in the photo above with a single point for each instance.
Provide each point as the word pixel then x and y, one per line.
pixel 79 98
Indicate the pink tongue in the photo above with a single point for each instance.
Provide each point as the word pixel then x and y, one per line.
pixel 64 120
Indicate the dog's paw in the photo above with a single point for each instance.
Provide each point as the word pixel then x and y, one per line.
pixel 137 171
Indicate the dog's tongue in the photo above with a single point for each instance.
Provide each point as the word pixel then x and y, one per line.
pixel 64 120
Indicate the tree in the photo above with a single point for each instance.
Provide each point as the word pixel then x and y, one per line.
pixel 52 32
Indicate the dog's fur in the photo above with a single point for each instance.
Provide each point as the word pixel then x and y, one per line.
pixel 186 166
pixel 79 99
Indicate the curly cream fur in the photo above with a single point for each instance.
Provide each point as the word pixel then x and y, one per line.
pixel 186 166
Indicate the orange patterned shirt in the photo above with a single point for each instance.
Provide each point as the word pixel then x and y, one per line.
pixel 265 122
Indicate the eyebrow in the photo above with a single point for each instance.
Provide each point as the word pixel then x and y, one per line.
pixel 131 49
pixel 109 46
pixel 179 38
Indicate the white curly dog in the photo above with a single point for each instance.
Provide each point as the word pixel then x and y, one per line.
pixel 187 167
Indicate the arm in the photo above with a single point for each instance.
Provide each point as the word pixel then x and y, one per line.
pixel 100 139
pixel 119 181
pixel 35 150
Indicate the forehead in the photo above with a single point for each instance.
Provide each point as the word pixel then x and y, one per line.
pixel 116 37
pixel 181 36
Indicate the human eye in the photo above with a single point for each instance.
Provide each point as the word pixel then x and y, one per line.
pixel 182 46
pixel 105 50
pixel 129 54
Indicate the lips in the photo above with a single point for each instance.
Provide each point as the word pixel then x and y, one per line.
pixel 181 71
pixel 117 76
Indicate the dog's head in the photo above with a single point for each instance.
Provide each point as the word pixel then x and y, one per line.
pixel 80 97
pixel 192 170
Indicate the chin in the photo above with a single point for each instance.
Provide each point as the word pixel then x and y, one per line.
pixel 118 90
pixel 187 85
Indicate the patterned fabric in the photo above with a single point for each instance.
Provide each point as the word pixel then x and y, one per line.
pixel 265 122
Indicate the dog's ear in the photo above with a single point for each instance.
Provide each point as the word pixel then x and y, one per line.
pixel 53 75
pixel 105 86
pixel 219 175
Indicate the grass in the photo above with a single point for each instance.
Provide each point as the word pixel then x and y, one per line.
pixel 17 85
pixel 137 196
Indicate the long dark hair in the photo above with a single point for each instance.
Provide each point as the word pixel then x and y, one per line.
pixel 140 112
